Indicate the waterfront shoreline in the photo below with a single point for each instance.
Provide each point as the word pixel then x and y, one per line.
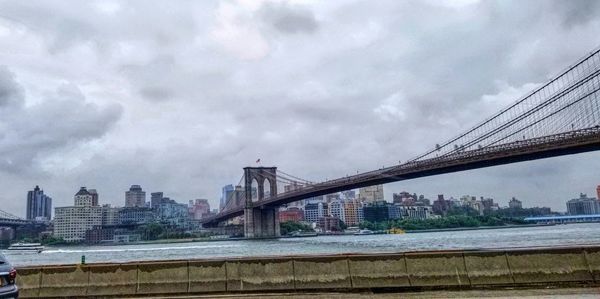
pixel 195 240
pixel 536 236
pixel 456 229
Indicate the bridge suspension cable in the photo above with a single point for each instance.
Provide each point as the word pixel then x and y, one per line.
pixel 566 102
pixel 6 215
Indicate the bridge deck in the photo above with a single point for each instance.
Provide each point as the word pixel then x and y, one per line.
pixel 572 142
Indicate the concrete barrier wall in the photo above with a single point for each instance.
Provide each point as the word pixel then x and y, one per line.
pixel 415 270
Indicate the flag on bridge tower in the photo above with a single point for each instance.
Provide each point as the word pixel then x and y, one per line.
pixel 258 161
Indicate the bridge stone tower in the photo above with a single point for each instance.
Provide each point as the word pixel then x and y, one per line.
pixel 260 221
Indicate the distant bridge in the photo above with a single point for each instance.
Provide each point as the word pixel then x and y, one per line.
pixel 561 117
pixel 10 220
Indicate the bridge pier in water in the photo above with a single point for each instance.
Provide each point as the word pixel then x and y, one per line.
pixel 260 221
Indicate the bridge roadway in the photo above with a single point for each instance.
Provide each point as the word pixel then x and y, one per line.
pixel 568 143
pixel 8 220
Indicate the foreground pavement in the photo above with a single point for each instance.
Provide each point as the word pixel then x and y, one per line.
pixel 559 293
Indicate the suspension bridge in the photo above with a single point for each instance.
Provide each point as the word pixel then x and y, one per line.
pixel 10 220
pixel 560 117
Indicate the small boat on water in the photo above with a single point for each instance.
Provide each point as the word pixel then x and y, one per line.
pixel 396 231
pixel 26 247
pixel 364 232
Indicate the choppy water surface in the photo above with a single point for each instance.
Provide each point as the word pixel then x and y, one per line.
pixel 572 234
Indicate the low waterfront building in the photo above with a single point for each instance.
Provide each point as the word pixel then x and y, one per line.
pixel 135 215
pixel 583 205
pixel 564 219
pixel 329 224
pixel 417 212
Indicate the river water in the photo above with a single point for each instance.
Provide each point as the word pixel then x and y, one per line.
pixel 572 234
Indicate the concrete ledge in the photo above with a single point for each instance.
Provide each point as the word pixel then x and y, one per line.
pixel 410 271
pixel 385 271
pixel 437 269
pixel 28 280
pixel 64 281
pixel 163 277
pixel 263 274
pixel 549 265
pixel 488 268
pixel 207 276
pixel 322 273
pixel 113 279
pixel 592 256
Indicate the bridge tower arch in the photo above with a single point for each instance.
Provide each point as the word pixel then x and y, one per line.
pixel 260 221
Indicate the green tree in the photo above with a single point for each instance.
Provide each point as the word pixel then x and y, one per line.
pixel 152 231
pixel 289 227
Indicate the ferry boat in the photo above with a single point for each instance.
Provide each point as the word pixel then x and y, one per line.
pixel 26 247
pixel 364 232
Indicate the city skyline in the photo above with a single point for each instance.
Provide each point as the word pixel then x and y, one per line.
pixel 183 108
pixel 503 203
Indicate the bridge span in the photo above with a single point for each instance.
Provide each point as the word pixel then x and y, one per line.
pixel 560 117
pixel 9 220
pixel 545 147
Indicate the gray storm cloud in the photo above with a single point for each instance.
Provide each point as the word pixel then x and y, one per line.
pixel 61 121
pixel 178 97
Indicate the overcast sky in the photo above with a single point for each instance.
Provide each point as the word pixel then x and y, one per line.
pixel 178 96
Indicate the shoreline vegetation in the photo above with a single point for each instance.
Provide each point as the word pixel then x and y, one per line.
pixel 448 222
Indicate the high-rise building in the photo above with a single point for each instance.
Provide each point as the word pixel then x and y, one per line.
pixel 155 199
pixel 353 212
pixel 332 197
pixel 72 223
pixel 39 206
pixel 441 206
pixel 110 215
pixel 403 198
pixel 371 194
pixel 376 211
pixel 336 209
pixel 94 195
pixel 349 194
pixel 172 212
pixel 487 203
pixel 83 198
pixel 314 211
pixel 135 197
pixel 226 194
pixel 583 205
pixel 199 209
pixel 515 204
